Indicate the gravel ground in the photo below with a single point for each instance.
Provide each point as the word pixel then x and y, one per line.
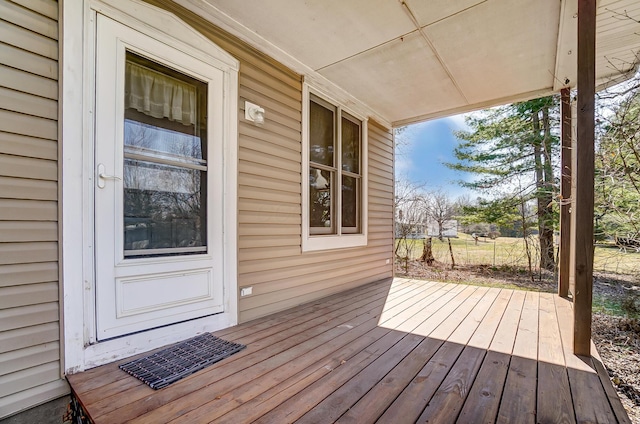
pixel 616 337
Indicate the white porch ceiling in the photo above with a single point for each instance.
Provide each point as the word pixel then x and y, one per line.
pixel 414 60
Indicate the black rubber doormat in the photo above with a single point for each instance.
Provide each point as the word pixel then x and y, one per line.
pixel 171 364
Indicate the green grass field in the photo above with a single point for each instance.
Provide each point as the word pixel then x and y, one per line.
pixel 509 251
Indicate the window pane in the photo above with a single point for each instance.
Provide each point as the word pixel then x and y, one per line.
pixel 150 140
pixel 321 134
pixel 350 146
pixel 320 201
pixel 163 206
pixel 350 207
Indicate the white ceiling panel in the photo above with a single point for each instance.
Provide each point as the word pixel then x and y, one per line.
pixel 617 41
pixel 499 47
pixel 428 12
pixel 618 37
pixel 320 33
pixel 405 61
pixel 401 78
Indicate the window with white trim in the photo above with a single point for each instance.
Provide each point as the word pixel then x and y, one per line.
pixel 334 196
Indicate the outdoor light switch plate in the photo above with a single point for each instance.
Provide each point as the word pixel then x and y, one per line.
pixel 246 291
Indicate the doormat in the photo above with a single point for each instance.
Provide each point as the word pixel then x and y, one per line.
pixel 176 362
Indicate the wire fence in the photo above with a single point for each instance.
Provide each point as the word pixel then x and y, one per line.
pixel 512 252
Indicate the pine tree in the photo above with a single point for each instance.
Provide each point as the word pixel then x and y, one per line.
pixel 518 141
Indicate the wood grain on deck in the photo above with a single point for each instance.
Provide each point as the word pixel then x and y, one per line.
pixel 390 352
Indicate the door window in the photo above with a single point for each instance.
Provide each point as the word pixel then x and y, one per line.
pixel 165 161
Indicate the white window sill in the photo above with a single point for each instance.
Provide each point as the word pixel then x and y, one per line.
pixel 316 243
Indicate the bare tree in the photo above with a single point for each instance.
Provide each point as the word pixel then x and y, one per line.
pixel 618 163
pixel 409 218
pixel 440 209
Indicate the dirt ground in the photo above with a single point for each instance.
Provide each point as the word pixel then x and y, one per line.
pixel 616 299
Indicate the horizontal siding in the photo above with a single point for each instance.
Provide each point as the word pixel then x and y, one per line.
pixel 248 204
pixel 48 8
pixel 31 168
pixel 274 280
pixel 29 19
pixel 29 336
pixel 21 145
pixel 29 294
pixel 261 230
pixel 27 189
pixel 28 378
pixel 21 359
pixel 33 273
pixel 28 103
pixel 30 366
pixel 270 257
pixel 344 284
pixel 328 259
pixel 35 396
pixel 28 210
pixel 26 316
pixel 263 194
pixel 18 80
pixel 26 253
pixel 27 40
pixel 22 231
pixel 18 123
pixel 30 62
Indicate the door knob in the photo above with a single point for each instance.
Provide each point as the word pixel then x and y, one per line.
pixel 102 177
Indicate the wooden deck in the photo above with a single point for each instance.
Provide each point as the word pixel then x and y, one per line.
pixel 389 352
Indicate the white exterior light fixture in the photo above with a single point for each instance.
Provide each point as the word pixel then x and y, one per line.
pixel 253 113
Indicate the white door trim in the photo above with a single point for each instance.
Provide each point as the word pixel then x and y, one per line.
pixel 80 349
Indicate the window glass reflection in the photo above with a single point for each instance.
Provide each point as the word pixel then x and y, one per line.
pixel 162 206
pixel 161 142
pixel 320 200
pixel 349 202
pixel 350 146
pixel 322 135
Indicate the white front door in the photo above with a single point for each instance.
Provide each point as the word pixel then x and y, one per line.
pixel 158 183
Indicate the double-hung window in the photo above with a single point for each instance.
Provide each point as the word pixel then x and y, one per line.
pixel 334 194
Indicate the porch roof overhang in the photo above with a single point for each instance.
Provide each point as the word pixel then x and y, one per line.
pixel 410 61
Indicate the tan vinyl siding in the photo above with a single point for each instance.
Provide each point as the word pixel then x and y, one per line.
pixel 30 369
pixel 270 257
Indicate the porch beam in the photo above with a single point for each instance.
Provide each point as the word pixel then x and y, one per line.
pixel 565 195
pixel 585 174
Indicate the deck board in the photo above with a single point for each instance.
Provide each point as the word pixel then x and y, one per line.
pixel 449 399
pixel 555 404
pixel 392 351
pixel 518 404
pixel 590 400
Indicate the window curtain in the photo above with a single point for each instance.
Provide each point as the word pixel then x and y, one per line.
pixel 159 95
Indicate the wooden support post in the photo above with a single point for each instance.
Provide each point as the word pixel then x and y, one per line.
pixel 564 261
pixel 585 174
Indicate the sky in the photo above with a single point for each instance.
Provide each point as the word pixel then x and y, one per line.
pixel 427 146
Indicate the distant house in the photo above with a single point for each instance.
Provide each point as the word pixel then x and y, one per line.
pixel 449 229
pixel 410 221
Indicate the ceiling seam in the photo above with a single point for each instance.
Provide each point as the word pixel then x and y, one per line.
pixel 433 49
pixel 401 37
pixel 455 13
